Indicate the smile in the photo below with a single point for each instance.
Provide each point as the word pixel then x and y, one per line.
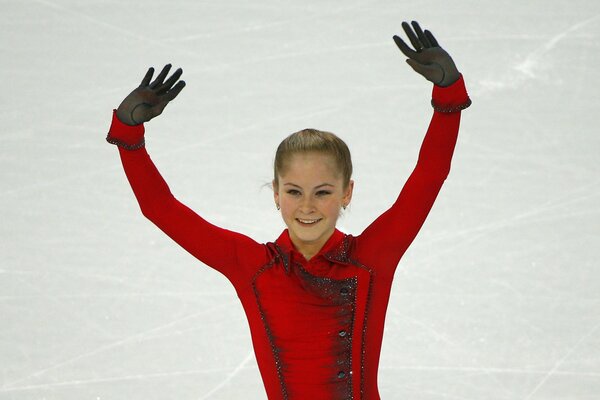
pixel 308 221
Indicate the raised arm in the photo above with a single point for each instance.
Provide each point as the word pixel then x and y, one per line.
pixel 384 241
pixel 224 250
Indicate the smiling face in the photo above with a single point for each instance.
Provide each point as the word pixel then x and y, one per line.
pixel 311 193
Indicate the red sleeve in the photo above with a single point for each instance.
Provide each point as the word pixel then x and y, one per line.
pixel 383 243
pixel 230 253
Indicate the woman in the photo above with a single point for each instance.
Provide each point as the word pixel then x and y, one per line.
pixel 315 298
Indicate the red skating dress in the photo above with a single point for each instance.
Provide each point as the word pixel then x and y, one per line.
pixel 317 325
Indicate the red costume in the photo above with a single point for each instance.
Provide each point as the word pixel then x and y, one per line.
pixel 317 325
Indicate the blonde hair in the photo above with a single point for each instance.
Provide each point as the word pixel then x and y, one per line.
pixel 313 140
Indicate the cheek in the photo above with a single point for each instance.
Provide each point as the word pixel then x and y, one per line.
pixel 287 206
pixel 285 201
pixel 331 206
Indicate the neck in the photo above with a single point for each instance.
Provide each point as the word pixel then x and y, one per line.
pixel 309 255
pixel 309 250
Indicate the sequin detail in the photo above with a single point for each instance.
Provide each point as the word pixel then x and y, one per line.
pixel 340 292
pixel 124 145
pixel 278 363
pixel 364 332
pixel 341 254
pixel 450 109
pixel 327 288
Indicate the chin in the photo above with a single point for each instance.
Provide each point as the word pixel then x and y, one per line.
pixel 311 234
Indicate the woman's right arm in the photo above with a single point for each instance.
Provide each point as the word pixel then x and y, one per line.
pixel 224 250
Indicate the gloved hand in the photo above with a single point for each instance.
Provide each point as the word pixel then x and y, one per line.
pixel 150 99
pixel 428 58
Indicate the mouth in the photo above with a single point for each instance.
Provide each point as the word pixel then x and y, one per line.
pixel 308 222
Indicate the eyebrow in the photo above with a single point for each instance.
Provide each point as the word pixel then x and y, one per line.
pixel 316 187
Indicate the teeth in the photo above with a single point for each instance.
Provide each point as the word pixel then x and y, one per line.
pixel 308 221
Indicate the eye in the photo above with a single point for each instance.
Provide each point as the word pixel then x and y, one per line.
pixel 293 192
pixel 323 193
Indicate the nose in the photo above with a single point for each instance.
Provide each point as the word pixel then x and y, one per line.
pixel 307 205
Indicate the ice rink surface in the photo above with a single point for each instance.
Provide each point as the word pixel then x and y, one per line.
pixel 498 297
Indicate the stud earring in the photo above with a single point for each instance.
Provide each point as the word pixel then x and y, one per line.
pixel 279 208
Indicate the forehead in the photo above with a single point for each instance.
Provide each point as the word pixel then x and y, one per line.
pixel 310 166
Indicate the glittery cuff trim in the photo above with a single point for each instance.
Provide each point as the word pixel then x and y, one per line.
pixel 451 109
pixel 124 145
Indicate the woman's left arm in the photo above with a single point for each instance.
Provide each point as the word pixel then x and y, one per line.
pixel 383 243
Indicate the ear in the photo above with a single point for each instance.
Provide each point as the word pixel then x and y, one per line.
pixel 275 191
pixel 348 192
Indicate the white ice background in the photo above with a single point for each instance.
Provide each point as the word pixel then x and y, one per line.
pixel 498 297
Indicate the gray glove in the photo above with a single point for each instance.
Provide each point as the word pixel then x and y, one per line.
pixel 428 58
pixel 150 99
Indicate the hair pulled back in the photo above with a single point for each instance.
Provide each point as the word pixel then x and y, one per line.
pixel 313 140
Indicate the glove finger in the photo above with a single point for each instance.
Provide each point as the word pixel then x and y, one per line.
pixel 161 77
pixel 147 77
pixel 420 34
pixel 412 37
pixel 169 82
pixel 431 38
pixel 408 52
pixel 431 72
pixel 171 94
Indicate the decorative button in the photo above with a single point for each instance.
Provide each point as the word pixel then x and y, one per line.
pixel 341 374
pixel 342 333
pixel 344 291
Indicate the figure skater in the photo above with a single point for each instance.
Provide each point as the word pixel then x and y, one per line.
pixel 315 298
